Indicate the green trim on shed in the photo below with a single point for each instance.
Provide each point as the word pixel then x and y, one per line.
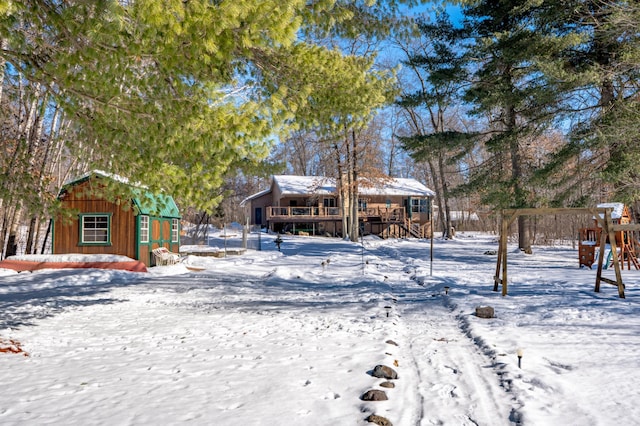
pixel 159 205
pixel 146 202
pixel 161 209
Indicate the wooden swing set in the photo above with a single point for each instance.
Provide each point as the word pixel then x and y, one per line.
pixel 609 231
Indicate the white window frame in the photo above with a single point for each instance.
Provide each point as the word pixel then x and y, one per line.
pixel 144 228
pixel 175 230
pixel 91 229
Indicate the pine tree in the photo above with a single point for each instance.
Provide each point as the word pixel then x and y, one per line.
pixel 175 94
pixel 599 70
pixel 510 88
pixel 440 67
pixel 178 95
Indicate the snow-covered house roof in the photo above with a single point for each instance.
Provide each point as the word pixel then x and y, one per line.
pixel 397 186
pixel 301 185
pixel 318 185
pixel 254 196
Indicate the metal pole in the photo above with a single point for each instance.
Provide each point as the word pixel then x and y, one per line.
pixel 245 230
pixel 362 250
pixel 431 248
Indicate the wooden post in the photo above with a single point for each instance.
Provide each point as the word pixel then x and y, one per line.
pixel 603 241
pixel 505 233
pixel 508 216
pixel 609 230
pixel 614 253
pixel 496 277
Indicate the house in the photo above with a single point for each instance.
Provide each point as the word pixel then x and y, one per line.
pixel 90 224
pixel 310 204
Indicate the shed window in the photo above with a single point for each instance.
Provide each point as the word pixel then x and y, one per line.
pixel 95 229
pixel 175 230
pixel 144 229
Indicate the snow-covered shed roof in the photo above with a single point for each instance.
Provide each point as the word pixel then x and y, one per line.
pixel 618 209
pixel 99 173
pixel 146 202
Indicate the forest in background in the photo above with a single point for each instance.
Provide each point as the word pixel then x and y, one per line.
pixel 493 105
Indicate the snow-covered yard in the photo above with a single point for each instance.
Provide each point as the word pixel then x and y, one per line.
pixel 291 337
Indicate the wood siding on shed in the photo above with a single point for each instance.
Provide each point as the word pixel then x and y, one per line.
pixel 160 236
pixel 122 229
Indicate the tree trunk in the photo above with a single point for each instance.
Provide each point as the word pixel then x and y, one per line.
pixel 353 189
pixel 46 237
pixel 340 184
pixel 10 246
pixel 31 235
pixel 445 197
pixel 437 122
pixel 3 64
pixel 524 239
pixel 438 190
pixel 354 235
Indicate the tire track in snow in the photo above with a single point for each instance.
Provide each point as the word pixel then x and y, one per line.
pixel 456 377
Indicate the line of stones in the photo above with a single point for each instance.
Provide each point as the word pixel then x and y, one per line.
pixel 381 372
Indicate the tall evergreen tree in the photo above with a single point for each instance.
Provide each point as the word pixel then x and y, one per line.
pixel 510 88
pixel 600 74
pixel 174 93
pixel 440 67
pixel 178 94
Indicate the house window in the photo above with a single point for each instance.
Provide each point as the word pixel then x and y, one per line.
pixel 95 229
pixel 330 206
pixel 144 229
pixel 329 202
pixel 419 205
pixel 362 204
pixel 175 230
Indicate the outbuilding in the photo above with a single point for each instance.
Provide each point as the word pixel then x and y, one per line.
pixel 91 224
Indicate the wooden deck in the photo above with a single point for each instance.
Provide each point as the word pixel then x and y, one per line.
pixel 319 214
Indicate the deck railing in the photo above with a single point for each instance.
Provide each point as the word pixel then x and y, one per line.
pixel 318 213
